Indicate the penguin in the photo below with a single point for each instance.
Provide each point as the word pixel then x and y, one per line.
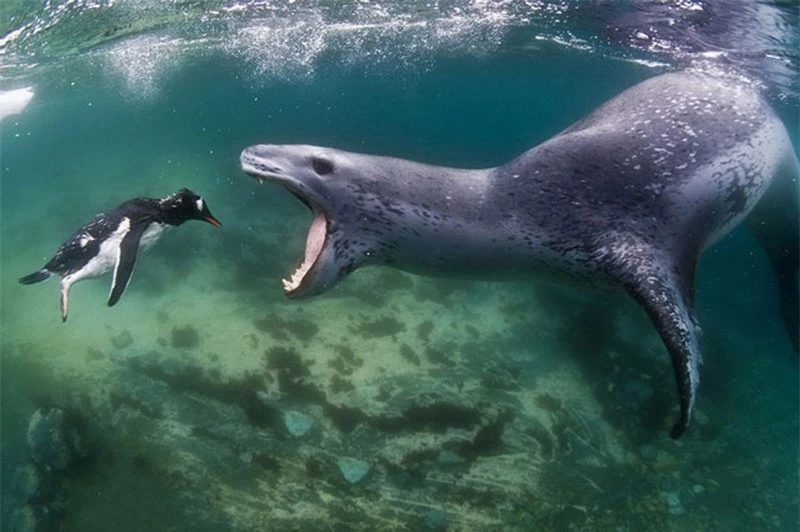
pixel 111 240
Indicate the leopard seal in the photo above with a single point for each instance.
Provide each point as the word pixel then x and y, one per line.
pixel 628 196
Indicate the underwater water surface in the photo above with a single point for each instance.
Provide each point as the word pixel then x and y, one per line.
pixel 206 400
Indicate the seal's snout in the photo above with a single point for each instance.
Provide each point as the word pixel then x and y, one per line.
pixel 248 161
pixel 260 151
pixel 256 162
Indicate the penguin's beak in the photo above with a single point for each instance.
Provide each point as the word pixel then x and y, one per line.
pixel 207 216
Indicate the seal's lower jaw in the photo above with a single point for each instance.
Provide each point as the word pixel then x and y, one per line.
pixel 303 276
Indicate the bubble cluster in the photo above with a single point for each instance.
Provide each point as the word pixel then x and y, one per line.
pixel 143 61
pixel 288 46
pixel 142 40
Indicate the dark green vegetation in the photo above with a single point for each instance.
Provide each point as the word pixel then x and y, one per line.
pixel 347 361
pixel 185 337
pixel 278 327
pixel 379 327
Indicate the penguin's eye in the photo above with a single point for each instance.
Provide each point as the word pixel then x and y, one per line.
pixel 199 203
pixel 321 166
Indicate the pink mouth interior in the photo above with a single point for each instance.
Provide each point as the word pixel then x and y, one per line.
pixel 314 244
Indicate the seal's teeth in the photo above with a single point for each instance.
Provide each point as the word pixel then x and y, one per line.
pixel 293 282
pixel 315 241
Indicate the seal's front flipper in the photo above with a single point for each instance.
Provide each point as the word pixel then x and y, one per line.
pixel 126 260
pixel 785 266
pixel 666 293
pixel 775 222
pixel 790 304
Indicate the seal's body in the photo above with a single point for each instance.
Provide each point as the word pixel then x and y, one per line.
pixel 630 196
pixel 112 239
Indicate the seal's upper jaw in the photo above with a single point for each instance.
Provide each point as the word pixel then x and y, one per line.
pixel 297 172
pixel 257 163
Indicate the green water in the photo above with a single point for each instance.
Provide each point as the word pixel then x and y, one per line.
pixel 569 385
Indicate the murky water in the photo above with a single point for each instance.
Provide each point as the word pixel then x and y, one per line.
pixel 206 400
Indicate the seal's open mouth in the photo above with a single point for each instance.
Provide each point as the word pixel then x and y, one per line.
pixel 315 241
pixel 305 272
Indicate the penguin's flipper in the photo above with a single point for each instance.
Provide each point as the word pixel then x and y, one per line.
pixel 664 287
pixel 126 260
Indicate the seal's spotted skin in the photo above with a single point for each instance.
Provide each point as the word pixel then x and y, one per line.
pixel 628 196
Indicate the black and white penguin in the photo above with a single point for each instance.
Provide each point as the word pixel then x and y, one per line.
pixel 113 238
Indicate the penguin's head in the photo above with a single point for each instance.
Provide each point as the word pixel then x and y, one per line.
pixel 186 205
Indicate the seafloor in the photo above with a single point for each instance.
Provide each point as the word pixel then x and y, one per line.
pixel 469 405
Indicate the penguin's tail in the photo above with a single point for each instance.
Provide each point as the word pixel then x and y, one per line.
pixel 36 277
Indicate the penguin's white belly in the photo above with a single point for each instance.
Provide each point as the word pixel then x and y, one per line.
pixel 151 235
pixel 106 258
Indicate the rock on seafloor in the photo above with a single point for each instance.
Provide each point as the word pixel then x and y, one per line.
pixel 674 505
pixel 32 518
pixel 435 520
pixel 55 442
pixel 297 423
pixel 32 486
pixel 353 470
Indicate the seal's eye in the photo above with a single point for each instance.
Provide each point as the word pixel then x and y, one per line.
pixel 321 166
